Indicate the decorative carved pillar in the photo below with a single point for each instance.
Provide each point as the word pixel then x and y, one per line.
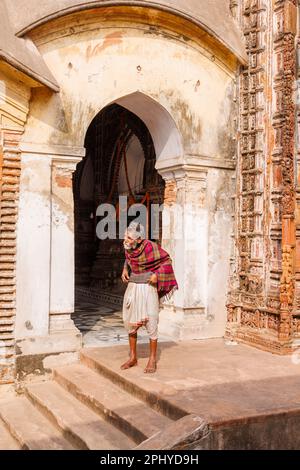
pixel 296 313
pixel 286 15
pixel 185 237
pixel 261 308
pixel 62 244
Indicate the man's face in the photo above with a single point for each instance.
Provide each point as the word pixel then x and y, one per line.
pixel 129 242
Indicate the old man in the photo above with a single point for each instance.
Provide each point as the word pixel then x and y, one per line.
pixel 151 279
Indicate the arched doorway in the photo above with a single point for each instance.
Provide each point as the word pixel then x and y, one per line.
pixel 120 161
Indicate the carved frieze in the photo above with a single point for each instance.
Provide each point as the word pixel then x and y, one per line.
pixel 265 213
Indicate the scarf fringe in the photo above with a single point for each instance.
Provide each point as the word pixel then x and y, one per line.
pixel 167 297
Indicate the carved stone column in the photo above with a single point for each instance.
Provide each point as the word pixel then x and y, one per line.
pixel 185 237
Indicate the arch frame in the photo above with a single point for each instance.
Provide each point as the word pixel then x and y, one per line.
pixel 209 17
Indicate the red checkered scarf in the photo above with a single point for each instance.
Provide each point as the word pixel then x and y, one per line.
pixel 150 256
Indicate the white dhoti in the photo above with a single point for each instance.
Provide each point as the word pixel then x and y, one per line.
pixel 141 308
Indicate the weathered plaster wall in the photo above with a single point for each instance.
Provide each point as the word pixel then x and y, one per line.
pixel 220 188
pixel 97 62
pixel 33 249
pixel 212 15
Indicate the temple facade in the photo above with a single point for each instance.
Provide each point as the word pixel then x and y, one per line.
pixel 188 104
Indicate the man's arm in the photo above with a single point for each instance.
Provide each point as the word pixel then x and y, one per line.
pixel 126 265
pixel 125 273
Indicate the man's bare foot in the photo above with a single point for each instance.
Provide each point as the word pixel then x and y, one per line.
pixel 151 367
pixel 129 363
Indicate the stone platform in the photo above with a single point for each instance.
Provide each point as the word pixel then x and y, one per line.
pixel 246 398
pixel 205 395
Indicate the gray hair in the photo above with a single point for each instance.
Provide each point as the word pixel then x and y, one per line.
pixel 136 230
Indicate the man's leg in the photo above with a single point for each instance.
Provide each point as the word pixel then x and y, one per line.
pixel 132 361
pixel 152 328
pixel 151 366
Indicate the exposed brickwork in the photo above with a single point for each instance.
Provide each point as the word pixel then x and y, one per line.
pixel 64 181
pixel 10 169
pixel 170 193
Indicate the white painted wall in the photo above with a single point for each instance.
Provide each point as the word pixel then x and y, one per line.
pixel 33 247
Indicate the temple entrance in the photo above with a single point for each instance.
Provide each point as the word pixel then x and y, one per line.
pixel 120 161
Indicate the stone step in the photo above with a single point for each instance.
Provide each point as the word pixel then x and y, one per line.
pixel 30 428
pixel 81 425
pixel 96 359
pixel 7 442
pixel 127 413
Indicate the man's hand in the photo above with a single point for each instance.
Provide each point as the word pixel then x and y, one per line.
pixel 125 275
pixel 153 280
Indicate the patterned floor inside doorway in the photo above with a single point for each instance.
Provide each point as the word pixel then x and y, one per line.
pixel 102 325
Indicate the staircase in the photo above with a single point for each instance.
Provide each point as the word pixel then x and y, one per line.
pixel 84 406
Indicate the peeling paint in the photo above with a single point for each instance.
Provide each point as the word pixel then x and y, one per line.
pixel 109 40
pixel 63 181
pixel 190 124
